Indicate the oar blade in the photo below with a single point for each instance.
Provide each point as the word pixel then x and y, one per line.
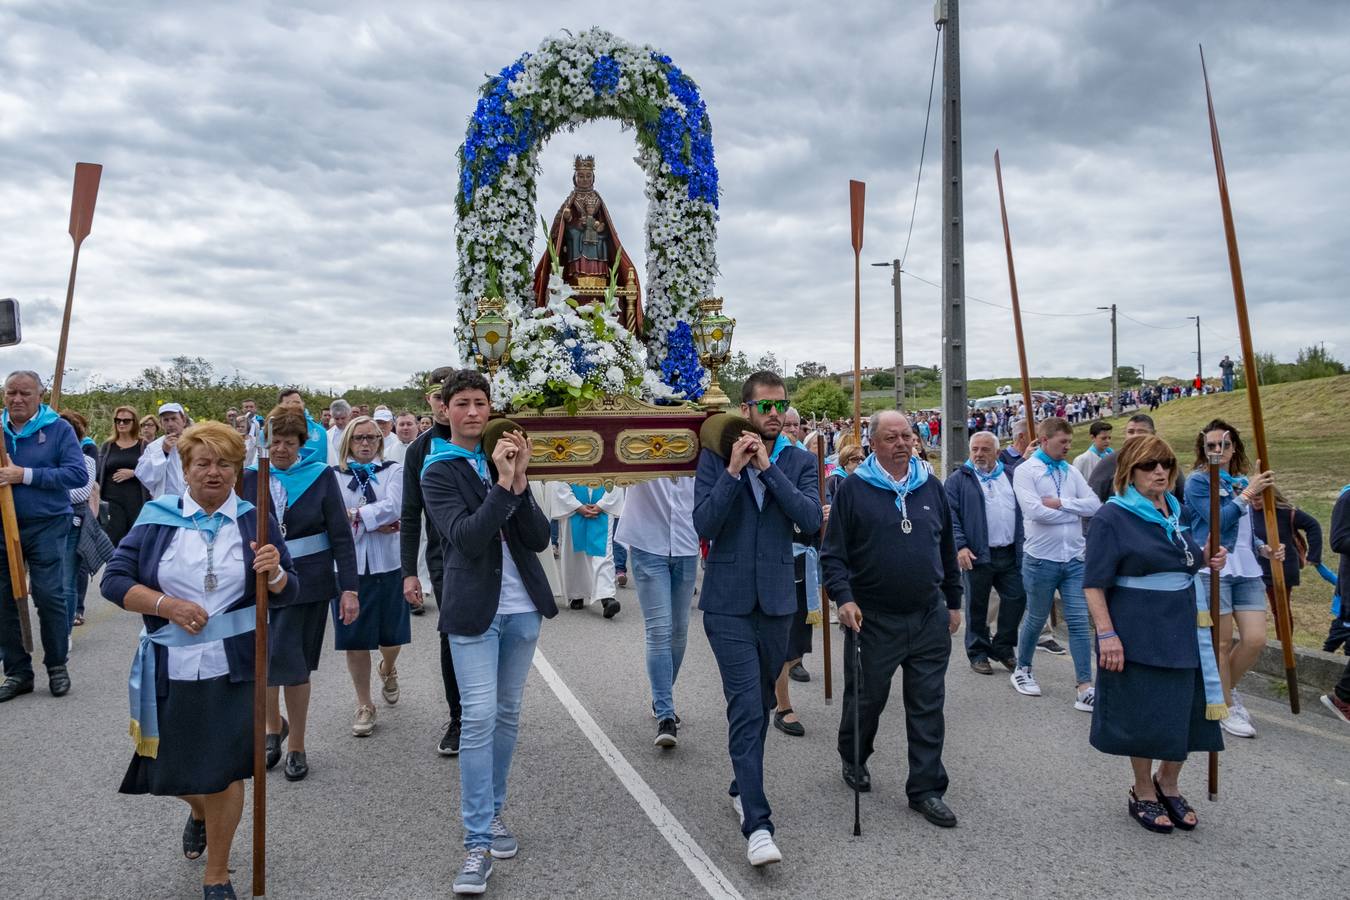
pixel 87 177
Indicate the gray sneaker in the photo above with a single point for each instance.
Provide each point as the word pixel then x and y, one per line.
pixel 473 877
pixel 504 843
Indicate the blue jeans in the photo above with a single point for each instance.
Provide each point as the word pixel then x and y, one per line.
pixel 620 552
pixel 44 544
pixel 665 588
pixel 70 575
pixel 491 669
pixel 1041 577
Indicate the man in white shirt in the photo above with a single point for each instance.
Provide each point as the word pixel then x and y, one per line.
pixel 341 411
pixel 405 431
pixel 159 469
pixel 1098 450
pixel 1054 499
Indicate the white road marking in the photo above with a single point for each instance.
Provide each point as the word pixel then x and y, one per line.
pixel 700 864
pixel 1285 721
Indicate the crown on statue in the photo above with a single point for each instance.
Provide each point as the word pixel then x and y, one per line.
pixel 585 164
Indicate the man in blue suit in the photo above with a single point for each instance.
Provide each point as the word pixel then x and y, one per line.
pixel 748 507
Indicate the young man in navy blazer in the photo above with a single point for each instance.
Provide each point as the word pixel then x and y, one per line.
pixel 747 507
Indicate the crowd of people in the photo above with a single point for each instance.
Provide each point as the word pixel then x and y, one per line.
pixel 359 498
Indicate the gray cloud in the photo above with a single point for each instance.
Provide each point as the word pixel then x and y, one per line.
pixel 278 183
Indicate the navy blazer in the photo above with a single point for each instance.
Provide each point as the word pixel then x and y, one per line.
pixel 970 520
pixel 137 562
pixel 472 519
pixel 320 510
pixel 750 557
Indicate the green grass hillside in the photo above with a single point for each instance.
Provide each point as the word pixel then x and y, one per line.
pixel 931 396
pixel 1308 435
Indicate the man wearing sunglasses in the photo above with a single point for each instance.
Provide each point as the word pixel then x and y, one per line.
pixel 746 506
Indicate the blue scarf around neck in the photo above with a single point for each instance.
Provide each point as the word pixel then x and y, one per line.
pixel 299 477
pixel 1234 483
pixel 986 479
pixel 1100 454
pixel 1143 507
pixel 441 449
pixel 870 471
pixel 44 416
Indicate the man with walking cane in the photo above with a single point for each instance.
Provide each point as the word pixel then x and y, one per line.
pixel 889 561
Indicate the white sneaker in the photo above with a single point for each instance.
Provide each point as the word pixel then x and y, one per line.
pixel 1237 727
pixel 1086 700
pixel 740 810
pixel 1239 709
pixel 761 850
pixel 1024 682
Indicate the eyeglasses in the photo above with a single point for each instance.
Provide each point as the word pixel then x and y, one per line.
pixel 123 421
pixel 1218 445
pixel 1149 465
pixel 763 406
pixel 365 438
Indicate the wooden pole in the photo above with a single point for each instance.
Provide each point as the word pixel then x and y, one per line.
pixel 824 595
pixel 856 194
pixel 82 202
pixel 1284 626
pixel 18 571
pixel 260 671
pixel 1211 549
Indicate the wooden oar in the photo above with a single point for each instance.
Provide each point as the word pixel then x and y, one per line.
pixel 1284 623
pixel 87 176
pixel 856 195
pixel 260 671
pixel 18 571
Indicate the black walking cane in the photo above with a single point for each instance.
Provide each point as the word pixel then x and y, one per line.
pixel 856 657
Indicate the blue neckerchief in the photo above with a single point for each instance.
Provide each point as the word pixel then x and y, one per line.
pixel 442 449
pixel 299 477
pixel 589 536
pixel 1100 454
pixel 1143 507
pixel 1057 469
pixel 317 444
pixel 141 683
pixel 45 416
pixel 168 510
pixel 779 446
pixel 986 479
pixel 870 471
pixel 1230 480
pixel 363 476
pixel 800 446
pixel 88 442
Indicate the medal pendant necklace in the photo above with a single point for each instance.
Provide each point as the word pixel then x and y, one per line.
pixel 905 525
pixel 210 581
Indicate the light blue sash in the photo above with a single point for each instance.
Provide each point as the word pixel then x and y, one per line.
pixel 812 579
pixel 1215 708
pixel 141 685
pixel 589 536
pixel 308 546
pixel 1158 581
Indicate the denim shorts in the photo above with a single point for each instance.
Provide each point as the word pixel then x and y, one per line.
pixel 1237 594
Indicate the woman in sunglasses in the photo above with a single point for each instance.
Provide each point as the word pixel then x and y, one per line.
pixel 1158 693
pixel 1242 592
pixel 117 474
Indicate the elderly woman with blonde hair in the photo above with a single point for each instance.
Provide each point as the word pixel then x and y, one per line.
pixel 189 567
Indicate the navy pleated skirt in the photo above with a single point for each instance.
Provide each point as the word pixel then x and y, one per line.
pixel 1153 713
pixel 205 740
pixel 384 620
pixel 295 642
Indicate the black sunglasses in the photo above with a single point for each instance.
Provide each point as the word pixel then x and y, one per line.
pixel 763 406
pixel 1149 465
pixel 1218 445
pixel 124 421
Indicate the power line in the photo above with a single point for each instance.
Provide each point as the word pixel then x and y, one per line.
pixel 923 147
pixel 1150 325
pixel 1030 312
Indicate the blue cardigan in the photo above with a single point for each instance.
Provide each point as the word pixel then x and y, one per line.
pixel 57 462
pixel 137 562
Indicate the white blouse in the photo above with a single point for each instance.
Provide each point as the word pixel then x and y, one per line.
pixel 182 573
pixel 376 553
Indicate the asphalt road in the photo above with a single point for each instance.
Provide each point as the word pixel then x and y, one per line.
pixel 1041 813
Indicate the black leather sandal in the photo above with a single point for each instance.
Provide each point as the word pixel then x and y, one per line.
pixel 1147 813
pixel 793 729
pixel 194 838
pixel 218 891
pixel 1177 808
pixel 273 742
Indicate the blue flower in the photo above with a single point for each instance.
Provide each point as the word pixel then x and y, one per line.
pixel 494 133
pixel 681 369
pixel 605 75
pixel 685 140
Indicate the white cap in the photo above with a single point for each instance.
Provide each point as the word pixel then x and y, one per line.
pixel 172 408
pixel 383 415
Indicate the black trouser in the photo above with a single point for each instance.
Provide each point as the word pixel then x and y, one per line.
pixel 920 644
pixel 1003 573
pixel 1338 636
pixel 447 663
pixel 1343 686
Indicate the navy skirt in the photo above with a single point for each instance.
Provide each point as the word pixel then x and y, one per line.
pixel 295 642
pixel 384 620
pixel 800 634
pixel 1153 713
pixel 205 740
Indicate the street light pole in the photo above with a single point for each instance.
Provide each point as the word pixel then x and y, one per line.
pixel 1199 369
pixel 1115 369
pixel 899 335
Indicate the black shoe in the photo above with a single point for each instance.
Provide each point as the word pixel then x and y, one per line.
pixel 798 673
pixel 1050 645
pixel 13 687
pixel 610 606
pixel 677 718
pixel 794 729
pixel 1009 663
pixel 418 610
pixel 194 838
pixel 982 666
pixel 576 603
pixel 863 777
pixel 218 892
pixel 666 734
pixel 273 742
pixel 449 745
pixel 297 767
pixel 935 811
pixel 58 680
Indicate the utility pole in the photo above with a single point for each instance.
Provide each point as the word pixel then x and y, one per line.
pixel 1115 369
pixel 899 336
pixel 1199 369
pixel 954 408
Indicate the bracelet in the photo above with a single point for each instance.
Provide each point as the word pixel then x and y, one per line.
pixel 157 603
pixel 276 579
pixel 1103 635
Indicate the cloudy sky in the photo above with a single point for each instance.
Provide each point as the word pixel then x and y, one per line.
pixel 278 177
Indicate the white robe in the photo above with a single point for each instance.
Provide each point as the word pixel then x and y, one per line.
pixel 587 577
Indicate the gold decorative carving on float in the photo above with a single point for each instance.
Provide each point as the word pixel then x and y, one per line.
pixel 648 445
pixel 565 447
